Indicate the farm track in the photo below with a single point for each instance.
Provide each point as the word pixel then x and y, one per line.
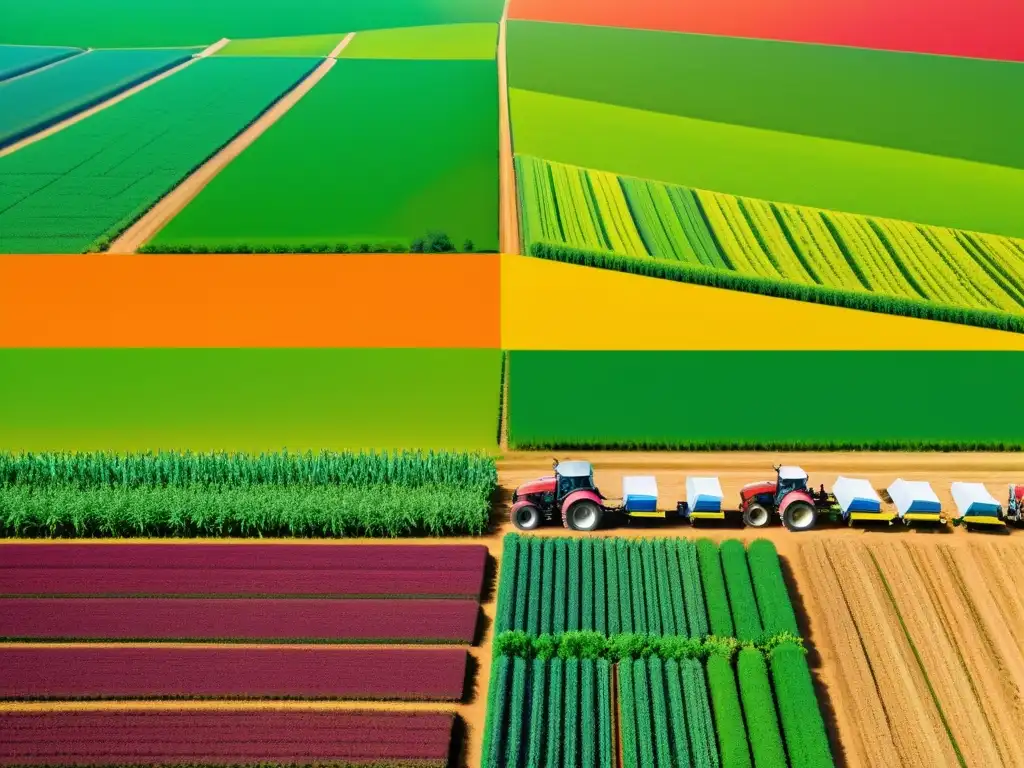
pixel 78 117
pixel 508 217
pixel 172 204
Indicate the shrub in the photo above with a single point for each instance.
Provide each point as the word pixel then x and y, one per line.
pixel 732 736
pixel 759 709
pixel 773 599
pixel 514 643
pixel 802 725
pixel 714 588
pixel 741 592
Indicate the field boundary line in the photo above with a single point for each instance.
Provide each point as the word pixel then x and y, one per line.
pixel 51 65
pixel 341 46
pixel 57 127
pixel 213 48
pixel 170 645
pixel 169 206
pixel 130 705
pixel 508 218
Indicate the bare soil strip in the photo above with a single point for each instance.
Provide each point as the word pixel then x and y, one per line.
pixel 508 221
pixel 56 127
pixel 172 204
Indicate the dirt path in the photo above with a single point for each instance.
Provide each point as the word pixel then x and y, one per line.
pixel 172 204
pixel 111 101
pixel 508 220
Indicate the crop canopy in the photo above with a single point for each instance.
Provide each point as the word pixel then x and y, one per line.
pixel 703 494
pixel 973 499
pixel 856 495
pixel 640 493
pixel 915 496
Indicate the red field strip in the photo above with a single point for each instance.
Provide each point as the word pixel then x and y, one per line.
pixel 987 29
pixel 345 570
pixel 226 672
pixel 353 621
pixel 353 300
pixel 114 738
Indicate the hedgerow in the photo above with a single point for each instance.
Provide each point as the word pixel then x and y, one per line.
pixel 732 735
pixel 777 614
pixel 802 724
pixel 594 645
pixel 574 443
pixel 715 595
pixel 741 592
pixel 759 709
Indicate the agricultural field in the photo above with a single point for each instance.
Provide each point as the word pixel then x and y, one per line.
pixel 927 643
pixel 340 173
pixel 448 41
pixel 681 632
pixel 302 45
pixel 872 400
pixel 249 399
pixel 38 100
pixel 75 190
pixel 16 60
pixel 172 495
pixel 784 250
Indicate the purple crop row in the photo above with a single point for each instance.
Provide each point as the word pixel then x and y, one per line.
pixel 379 621
pixel 231 672
pixel 112 738
pixel 326 570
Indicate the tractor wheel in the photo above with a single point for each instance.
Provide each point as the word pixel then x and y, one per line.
pixel 582 516
pixel 526 518
pixel 756 516
pixel 799 516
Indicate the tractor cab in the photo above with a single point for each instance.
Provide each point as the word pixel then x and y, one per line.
pixel 573 476
pixel 790 479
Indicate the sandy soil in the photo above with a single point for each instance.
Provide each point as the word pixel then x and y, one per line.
pixel 110 102
pixel 172 204
pixel 508 217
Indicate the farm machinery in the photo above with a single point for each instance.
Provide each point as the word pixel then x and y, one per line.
pixel 976 506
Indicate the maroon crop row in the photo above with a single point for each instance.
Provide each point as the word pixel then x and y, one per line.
pixel 339 570
pixel 111 738
pixel 358 621
pixel 231 672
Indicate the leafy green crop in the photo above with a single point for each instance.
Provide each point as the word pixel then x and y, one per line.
pixel 732 736
pixel 505 611
pixel 538 689
pixel 555 707
pixel 625 586
pixel 773 600
pixel 611 562
pixel 573 619
pixel 677 714
pixel 588 713
pixel 571 712
pixel 547 593
pixel 636 574
pixel 652 602
pixel 522 585
pixel 587 587
pixel 516 714
pixel 698 715
pixel 802 724
pixel 533 607
pixel 759 710
pixel 497 701
pixel 628 715
pixel 560 597
pixel 714 588
pixel 604 710
pixel 600 590
pixel 693 592
pixel 741 592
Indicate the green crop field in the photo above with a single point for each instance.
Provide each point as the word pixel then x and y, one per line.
pixel 940 105
pixel 449 41
pixel 18 59
pixel 380 153
pixel 737 399
pixel 31 103
pixel 770 165
pixel 72 191
pixel 303 45
pixel 116 23
pixel 850 260
pixel 248 399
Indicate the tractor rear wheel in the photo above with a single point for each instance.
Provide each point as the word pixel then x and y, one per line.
pixel 799 516
pixel 756 516
pixel 582 516
pixel 526 518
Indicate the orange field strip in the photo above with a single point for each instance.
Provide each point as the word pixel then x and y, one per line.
pixel 354 300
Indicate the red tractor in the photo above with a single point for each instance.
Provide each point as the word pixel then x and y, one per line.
pixel 788 497
pixel 1015 507
pixel 570 495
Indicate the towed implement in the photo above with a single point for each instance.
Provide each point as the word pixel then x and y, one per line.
pixel 976 506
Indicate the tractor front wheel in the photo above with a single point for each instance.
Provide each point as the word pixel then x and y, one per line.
pixel 756 516
pixel 582 516
pixel 526 518
pixel 799 516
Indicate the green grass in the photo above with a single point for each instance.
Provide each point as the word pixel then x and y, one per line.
pixel 448 41
pixel 770 165
pixel 302 45
pixel 941 105
pixel 78 188
pixel 896 400
pixel 247 399
pixel 29 104
pixel 18 59
pixel 118 23
pixel 378 152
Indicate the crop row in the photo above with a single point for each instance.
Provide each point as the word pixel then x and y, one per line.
pixel 668 587
pixel 553 713
pixel 16 60
pixel 828 257
pixel 611 586
pixel 257 619
pixel 252 570
pixel 41 673
pixel 265 737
